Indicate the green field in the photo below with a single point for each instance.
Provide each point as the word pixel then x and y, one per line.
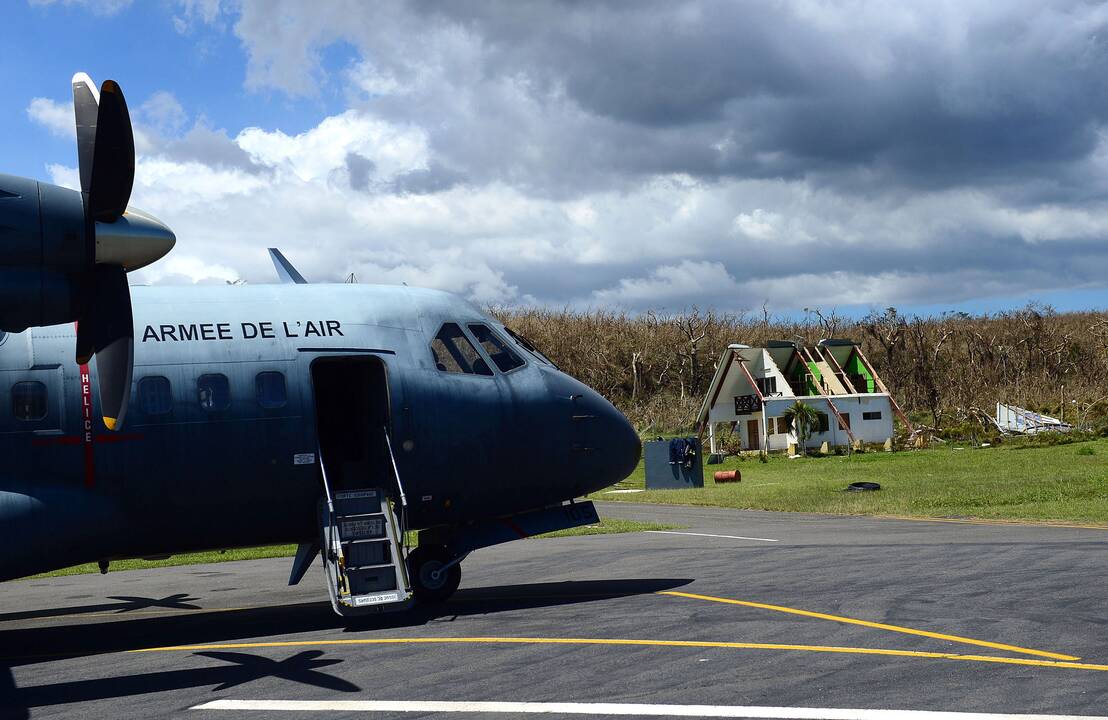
pixel 1063 483
pixel 606 526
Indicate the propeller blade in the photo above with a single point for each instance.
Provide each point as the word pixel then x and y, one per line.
pixel 113 159
pixel 86 101
pixel 108 328
pixel 106 155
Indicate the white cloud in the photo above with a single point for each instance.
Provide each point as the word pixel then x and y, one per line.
pixel 317 153
pixel 97 7
pixel 595 155
pixel 671 283
pixel 54 116
pixel 164 112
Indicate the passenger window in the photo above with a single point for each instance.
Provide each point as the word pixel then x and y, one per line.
pixel 526 345
pixel 154 395
pixel 496 349
pixel 454 353
pixel 213 392
pixel 29 401
pixel 269 388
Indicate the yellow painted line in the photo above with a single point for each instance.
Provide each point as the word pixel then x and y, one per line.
pixel 877 626
pixel 989 521
pixel 632 642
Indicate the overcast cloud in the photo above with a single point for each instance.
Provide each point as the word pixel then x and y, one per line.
pixel 651 154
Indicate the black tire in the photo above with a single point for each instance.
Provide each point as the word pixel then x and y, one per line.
pixel 425 560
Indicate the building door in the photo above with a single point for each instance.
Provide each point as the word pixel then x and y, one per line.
pixel 754 434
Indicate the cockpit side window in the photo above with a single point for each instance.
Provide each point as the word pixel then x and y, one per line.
pixel 505 358
pixel 454 353
pixel 526 345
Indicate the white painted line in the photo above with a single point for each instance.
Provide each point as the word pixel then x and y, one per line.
pixel 627 709
pixel 729 537
pixel 616 492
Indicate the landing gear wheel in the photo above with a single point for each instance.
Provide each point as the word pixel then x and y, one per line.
pixel 430 583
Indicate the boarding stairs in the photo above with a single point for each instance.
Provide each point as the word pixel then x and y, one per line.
pixel 364 551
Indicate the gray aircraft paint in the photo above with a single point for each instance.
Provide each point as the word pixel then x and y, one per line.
pixel 468 447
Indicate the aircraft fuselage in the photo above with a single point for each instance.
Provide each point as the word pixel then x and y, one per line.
pixel 206 463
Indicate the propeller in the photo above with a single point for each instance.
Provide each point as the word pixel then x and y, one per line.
pixel 117 239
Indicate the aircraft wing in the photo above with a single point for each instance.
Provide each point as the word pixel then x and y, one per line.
pixel 285 271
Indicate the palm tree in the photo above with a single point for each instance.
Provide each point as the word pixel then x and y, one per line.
pixel 801 417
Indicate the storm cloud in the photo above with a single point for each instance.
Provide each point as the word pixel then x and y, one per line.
pixel 657 154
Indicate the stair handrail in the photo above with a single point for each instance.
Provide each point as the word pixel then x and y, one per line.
pixel 333 534
pixel 395 470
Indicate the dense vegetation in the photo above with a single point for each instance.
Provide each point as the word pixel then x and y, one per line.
pixel 945 371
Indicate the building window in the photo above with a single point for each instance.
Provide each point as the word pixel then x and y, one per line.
pixel 875 415
pixel 502 355
pixel 782 426
pixel 29 401
pixel 824 423
pixel 154 395
pixel 767 385
pixel 214 392
pixel 454 353
pixel 269 389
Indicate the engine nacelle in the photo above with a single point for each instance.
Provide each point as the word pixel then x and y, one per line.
pixel 45 254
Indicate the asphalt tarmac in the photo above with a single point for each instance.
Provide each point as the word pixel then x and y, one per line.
pixel 756 615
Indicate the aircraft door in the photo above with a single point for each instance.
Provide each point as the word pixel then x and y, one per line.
pixel 351 401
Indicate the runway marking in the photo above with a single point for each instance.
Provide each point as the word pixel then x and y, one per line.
pixel 633 642
pixel 875 625
pixel 627 709
pixel 730 537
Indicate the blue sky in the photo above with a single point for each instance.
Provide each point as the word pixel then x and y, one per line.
pixel 650 155
pixel 139 47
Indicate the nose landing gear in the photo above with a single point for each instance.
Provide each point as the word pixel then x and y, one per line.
pixel 434 574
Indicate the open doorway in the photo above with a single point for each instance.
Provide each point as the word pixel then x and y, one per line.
pixel 351 414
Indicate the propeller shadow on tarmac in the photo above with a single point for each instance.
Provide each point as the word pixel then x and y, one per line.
pixel 235 668
pixel 128 633
pixel 33 645
pixel 125 604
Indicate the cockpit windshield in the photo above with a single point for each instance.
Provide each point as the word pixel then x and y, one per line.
pixel 526 345
pixel 454 353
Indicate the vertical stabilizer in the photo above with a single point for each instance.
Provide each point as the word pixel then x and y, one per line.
pixel 285 271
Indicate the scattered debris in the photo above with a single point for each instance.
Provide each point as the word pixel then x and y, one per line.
pixel 1012 419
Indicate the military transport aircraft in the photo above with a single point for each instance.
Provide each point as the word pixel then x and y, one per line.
pixel 340 417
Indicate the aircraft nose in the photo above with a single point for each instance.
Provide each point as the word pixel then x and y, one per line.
pixel 614 445
pixel 620 442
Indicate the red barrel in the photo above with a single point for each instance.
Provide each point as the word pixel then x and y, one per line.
pixel 726 476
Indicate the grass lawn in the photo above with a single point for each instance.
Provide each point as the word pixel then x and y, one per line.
pixel 605 527
pixel 1065 483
